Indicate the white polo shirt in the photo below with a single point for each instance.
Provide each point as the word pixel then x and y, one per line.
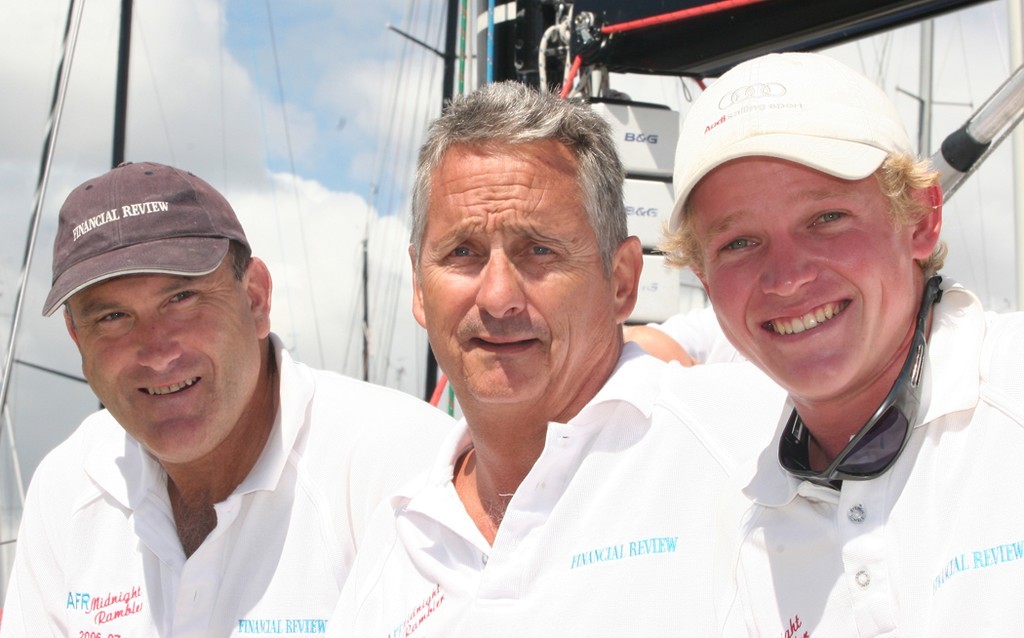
pixel 623 527
pixel 98 554
pixel 932 548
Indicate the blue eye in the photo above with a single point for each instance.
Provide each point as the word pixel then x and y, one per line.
pixel 737 244
pixel 829 216
pixel 461 251
pixel 541 250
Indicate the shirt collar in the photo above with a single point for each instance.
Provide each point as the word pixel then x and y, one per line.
pixel 633 380
pixel 296 393
pixel 954 353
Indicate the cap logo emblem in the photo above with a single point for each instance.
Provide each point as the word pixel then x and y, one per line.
pixel 112 216
pixel 751 92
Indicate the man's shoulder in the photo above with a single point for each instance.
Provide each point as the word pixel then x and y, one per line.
pixel 348 417
pixel 1003 344
pixel 99 429
pixel 331 394
pixel 344 383
pixel 1007 326
pixel 335 391
pixel 99 435
pixel 733 408
pixel 721 390
pixel 1002 356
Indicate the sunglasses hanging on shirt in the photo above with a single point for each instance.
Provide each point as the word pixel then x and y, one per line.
pixel 874 449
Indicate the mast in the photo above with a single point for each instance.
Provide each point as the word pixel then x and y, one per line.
pixel 447 90
pixel 121 89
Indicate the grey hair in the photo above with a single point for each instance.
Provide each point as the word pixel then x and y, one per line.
pixel 513 113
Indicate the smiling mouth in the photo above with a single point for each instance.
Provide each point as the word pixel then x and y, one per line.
pixel 171 389
pixel 809 321
pixel 503 345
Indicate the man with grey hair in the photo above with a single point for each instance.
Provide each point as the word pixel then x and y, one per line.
pixel 884 506
pixel 573 499
pixel 225 488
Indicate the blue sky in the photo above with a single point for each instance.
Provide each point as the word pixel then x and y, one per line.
pixel 323 48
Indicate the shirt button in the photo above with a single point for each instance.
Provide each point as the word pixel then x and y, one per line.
pixel 483 559
pixel 856 514
pixel 863 578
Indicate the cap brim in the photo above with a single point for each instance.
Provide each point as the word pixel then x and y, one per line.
pixel 839 158
pixel 187 256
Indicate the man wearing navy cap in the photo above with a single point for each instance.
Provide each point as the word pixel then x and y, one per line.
pixel 224 488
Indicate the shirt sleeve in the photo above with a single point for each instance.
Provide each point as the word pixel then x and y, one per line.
pixel 700 334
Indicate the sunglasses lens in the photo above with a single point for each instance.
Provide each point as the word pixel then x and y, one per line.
pixel 879 447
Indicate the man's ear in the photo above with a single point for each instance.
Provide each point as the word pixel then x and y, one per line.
pixel 258 288
pixel 926 230
pixel 417 291
pixel 627 264
pixel 69 323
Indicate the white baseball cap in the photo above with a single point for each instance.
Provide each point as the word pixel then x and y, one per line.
pixel 807 108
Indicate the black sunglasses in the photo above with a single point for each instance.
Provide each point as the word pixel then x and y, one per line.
pixel 879 443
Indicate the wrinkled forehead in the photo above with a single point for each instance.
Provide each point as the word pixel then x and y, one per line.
pixel 515 187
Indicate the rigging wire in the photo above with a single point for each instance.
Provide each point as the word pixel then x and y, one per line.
pixel 883 48
pixel 390 266
pixel 138 23
pixel 676 16
pixel 285 282
pixel 386 306
pixel 383 306
pixel 978 196
pixel 408 136
pixel 562 29
pixel 71 30
pixel 19 483
pixel 642 23
pixel 221 18
pixel 567 85
pixel 435 398
pixel 465 53
pixel 392 161
pixel 427 85
pixel 295 186
pixel 378 178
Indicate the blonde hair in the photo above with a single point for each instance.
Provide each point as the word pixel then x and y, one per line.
pixel 898 177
